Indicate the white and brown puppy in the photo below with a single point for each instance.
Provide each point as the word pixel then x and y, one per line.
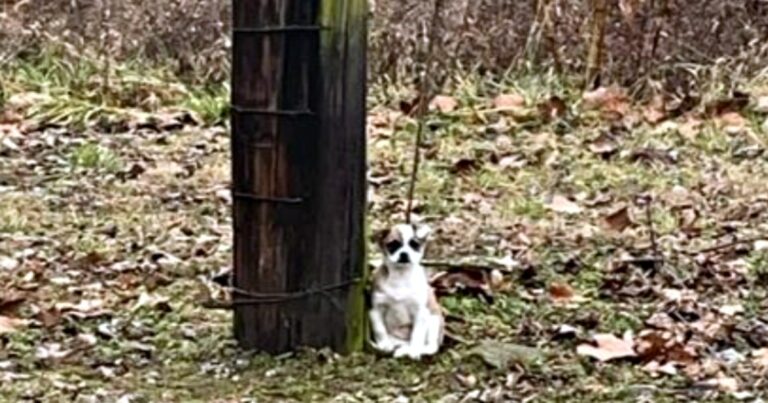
pixel 405 316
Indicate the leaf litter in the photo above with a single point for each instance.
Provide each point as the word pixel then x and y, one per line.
pixel 679 302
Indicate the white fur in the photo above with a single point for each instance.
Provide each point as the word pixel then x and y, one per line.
pixel 401 298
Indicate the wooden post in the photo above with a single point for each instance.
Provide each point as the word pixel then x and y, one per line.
pixel 298 171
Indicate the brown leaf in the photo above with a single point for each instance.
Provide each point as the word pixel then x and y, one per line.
pixel 561 204
pixel 618 220
pixel 604 145
pixel 734 104
pixel 463 280
pixel 760 358
pixel 690 129
pixel 509 101
pixel 732 123
pixel 722 383
pixel 10 325
pixel 444 103
pixel 649 155
pixel 10 303
pixel 612 101
pixel 464 165
pixel 761 105
pixel 49 317
pixel 655 111
pixel 552 109
pixel 561 292
pixel 608 347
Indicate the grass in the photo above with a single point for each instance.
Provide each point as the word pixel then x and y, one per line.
pixel 174 350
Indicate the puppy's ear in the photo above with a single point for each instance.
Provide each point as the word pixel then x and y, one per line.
pixel 422 231
pixel 379 236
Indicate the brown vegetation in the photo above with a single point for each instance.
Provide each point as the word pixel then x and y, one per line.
pixel 643 38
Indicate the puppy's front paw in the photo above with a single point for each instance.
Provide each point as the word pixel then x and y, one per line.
pixel 384 345
pixel 431 349
pixel 407 351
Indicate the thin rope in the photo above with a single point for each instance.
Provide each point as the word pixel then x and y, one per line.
pixel 423 105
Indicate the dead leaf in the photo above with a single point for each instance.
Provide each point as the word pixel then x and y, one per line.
pixel 552 109
pixel 690 129
pixel 761 105
pixel 655 111
pixel 561 204
pixel 443 103
pixel 561 292
pixel 618 220
pixel 509 101
pixel 612 101
pixel 732 123
pixel 10 325
pixel 733 104
pixel 8 263
pixel 463 280
pixel 500 355
pixel 10 303
pixel 604 145
pixel 608 347
pixel 464 165
pixel 760 358
pixel 722 383
pixel 49 318
pixel 731 310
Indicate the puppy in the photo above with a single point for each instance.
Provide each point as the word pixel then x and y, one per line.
pixel 406 318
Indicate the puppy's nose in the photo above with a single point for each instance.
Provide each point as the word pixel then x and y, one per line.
pixel 403 258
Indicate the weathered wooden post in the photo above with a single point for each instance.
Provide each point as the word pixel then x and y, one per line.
pixel 298 170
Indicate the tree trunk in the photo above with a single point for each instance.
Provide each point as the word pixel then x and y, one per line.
pixel 298 172
pixel 595 44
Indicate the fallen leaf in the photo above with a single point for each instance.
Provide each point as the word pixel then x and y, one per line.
pixel 604 145
pixel 761 105
pixel 732 123
pixel 761 244
pixel 561 292
pixel 11 302
pixel 731 310
pixel 655 111
pixel 509 101
pixel 464 165
pixel 444 103
pixel 618 220
pixel 690 129
pixel 760 358
pixel 562 204
pixel 463 280
pixel 608 347
pixel 501 355
pixel 612 101
pixel 552 109
pixel 10 325
pixel 8 263
pixel 49 318
pixel 734 104
pixel 722 383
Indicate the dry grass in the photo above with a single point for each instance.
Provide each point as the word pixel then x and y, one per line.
pixel 644 39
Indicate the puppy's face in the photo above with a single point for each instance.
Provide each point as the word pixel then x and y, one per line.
pixel 403 245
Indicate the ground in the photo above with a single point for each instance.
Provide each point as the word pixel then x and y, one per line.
pixel 583 217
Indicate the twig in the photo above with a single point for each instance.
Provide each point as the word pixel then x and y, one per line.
pixel 421 111
pixel 457 265
pixel 727 245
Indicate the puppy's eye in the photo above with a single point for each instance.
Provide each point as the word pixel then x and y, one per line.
pixel 392 246
pixel 414 244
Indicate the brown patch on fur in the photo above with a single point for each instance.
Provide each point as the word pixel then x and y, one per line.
pixel 433 304
pixel 389 236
